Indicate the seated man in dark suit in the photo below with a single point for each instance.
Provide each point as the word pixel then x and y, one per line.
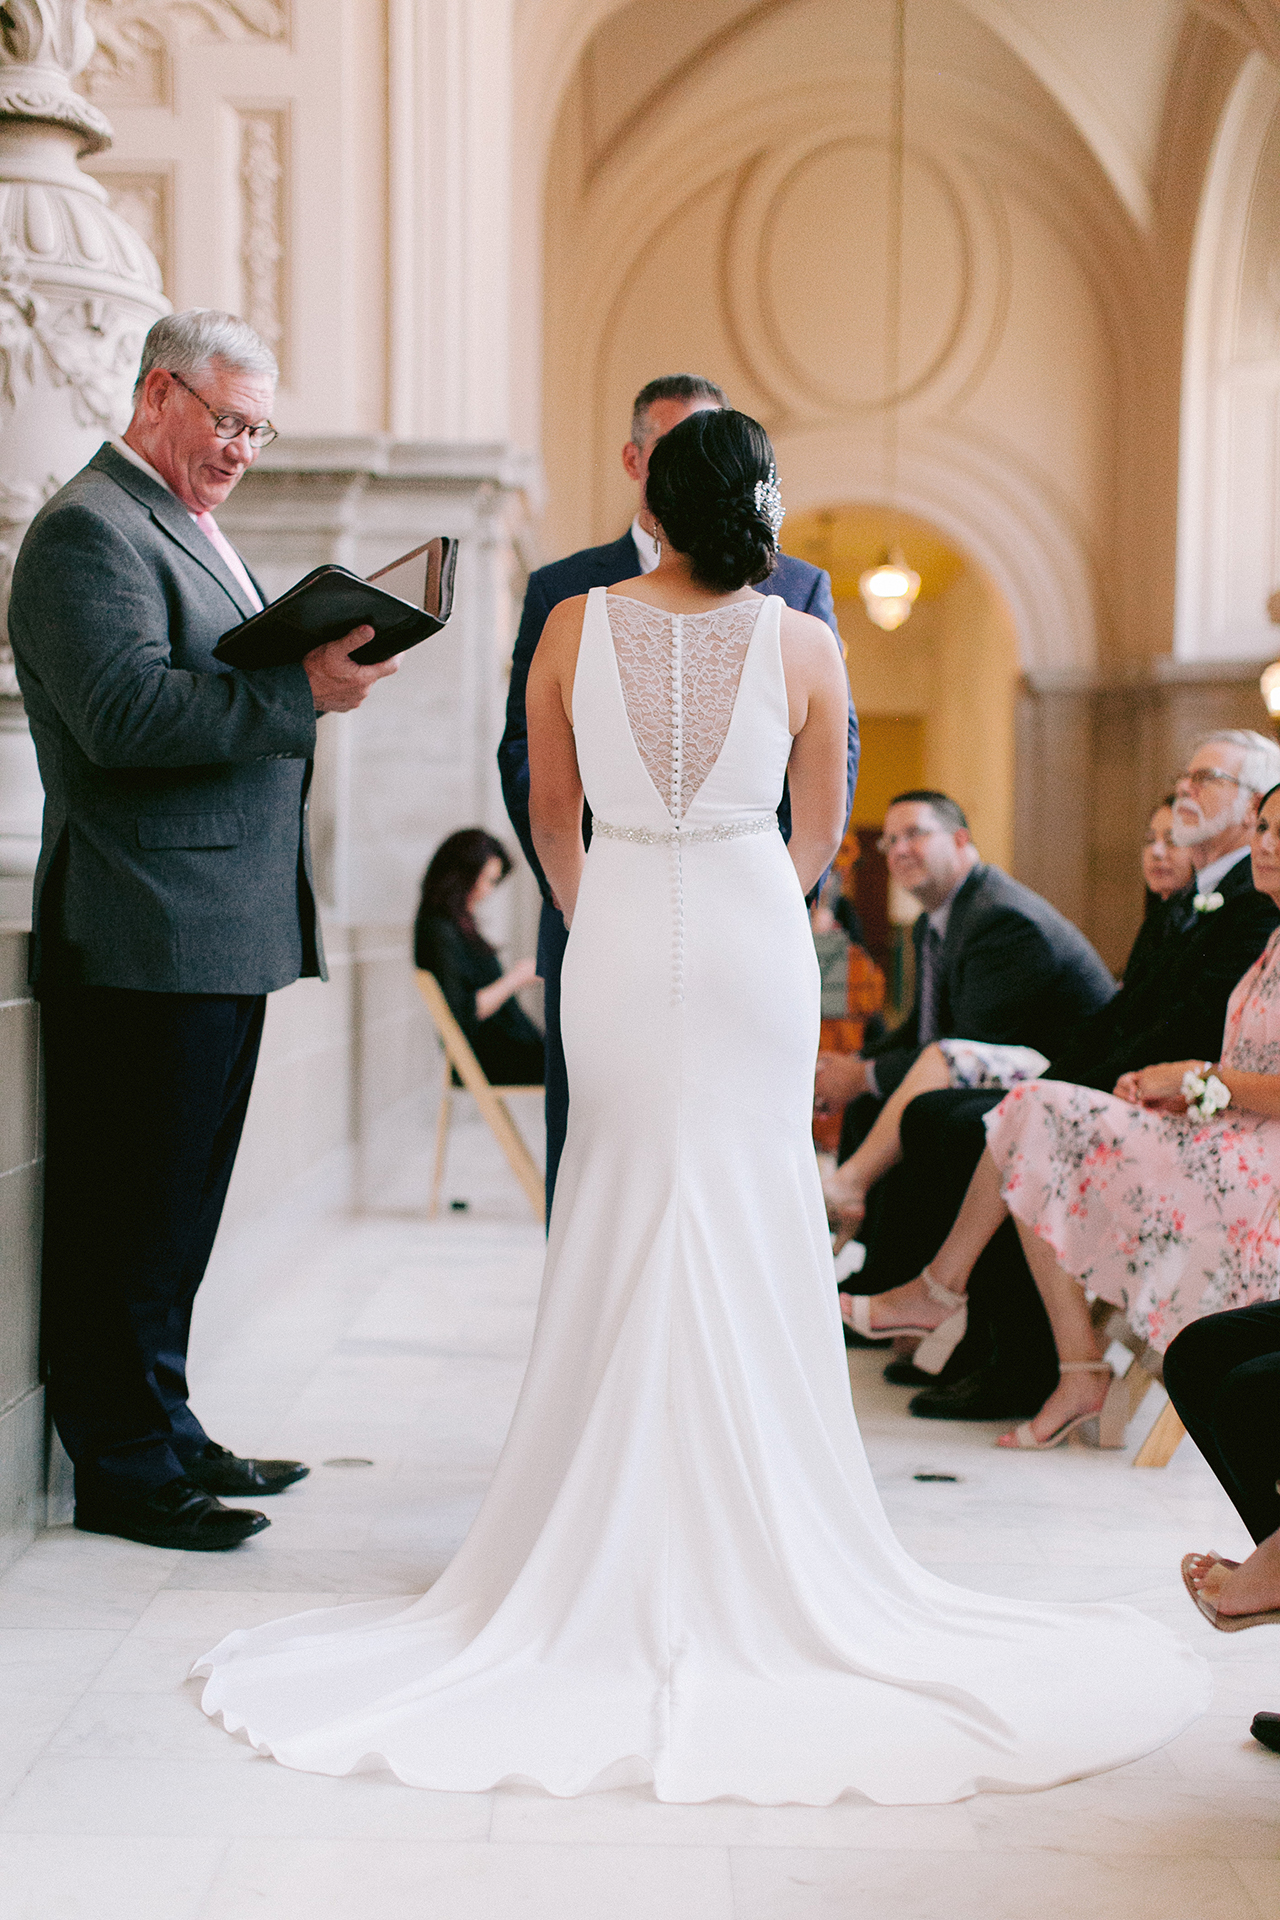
pixel 659 406
pixel 994 962
pixel 1172 1007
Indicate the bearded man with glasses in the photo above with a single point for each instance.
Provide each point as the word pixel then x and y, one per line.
pixel 173 894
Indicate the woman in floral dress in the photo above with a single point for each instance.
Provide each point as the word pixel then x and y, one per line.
pixel 1164 1212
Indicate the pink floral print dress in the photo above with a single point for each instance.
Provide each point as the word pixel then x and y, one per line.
pixel 1167 1216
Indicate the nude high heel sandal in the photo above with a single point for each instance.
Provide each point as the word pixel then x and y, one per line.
pixel 1224 1622
pixel 1104 1429
pixel 861 1304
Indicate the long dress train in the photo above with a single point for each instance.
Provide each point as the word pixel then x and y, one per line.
pixel 682 1572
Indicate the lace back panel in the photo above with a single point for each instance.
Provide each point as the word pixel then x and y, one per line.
pixel 680 675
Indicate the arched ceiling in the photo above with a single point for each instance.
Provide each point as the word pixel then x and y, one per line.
pixel 1107 63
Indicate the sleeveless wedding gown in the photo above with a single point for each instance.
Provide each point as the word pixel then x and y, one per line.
pixel 681 1573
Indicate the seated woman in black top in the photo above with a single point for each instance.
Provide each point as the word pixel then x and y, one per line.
pixel 464 870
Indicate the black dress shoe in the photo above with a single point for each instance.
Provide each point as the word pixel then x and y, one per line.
pixel 1266 1728
pixel 905 1373
pixel 219 1471
pixel 985 1395
pixel 175 1515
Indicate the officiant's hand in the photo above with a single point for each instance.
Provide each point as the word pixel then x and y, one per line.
pixel 339 683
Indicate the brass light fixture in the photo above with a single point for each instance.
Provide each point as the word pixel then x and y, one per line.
pixel 1270 684
pixel 890 587
pixel 1270 681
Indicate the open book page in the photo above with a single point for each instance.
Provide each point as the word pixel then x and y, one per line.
pixel 415 577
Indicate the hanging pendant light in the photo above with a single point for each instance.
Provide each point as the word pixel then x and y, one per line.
pixel 889 590
pixel 890 587
pixel 1270 684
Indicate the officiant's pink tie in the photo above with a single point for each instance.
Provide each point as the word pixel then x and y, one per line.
pixel 214 534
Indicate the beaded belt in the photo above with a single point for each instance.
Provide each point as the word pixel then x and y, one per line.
pixel 685 836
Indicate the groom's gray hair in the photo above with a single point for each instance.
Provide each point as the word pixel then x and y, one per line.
pixel 1260 768
pixel 671 386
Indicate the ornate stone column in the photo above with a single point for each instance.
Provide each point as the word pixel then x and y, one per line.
pixel 78 290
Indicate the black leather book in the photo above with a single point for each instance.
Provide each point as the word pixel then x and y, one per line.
pixel 404 603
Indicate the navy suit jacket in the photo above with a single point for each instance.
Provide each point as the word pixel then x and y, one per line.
pixel 804 587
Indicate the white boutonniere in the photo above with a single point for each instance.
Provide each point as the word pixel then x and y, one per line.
pixel 1204 1093
pixel 1208 902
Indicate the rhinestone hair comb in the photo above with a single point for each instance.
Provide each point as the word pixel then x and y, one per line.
pixel 769 503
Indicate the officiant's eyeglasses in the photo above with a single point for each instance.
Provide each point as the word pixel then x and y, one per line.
pixel 229 426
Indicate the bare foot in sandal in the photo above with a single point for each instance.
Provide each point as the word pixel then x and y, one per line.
pixel 1249 1586
pixel 910 1307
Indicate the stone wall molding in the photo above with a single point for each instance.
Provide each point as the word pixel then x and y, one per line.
pixel 133 63
pixel 78 290
pixel 264 190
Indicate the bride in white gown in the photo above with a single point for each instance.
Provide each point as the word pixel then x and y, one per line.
pixel 681 1573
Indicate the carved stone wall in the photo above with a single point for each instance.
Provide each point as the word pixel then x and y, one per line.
pixel 418 759
pixel 78 290
pixel 1229 523
pixel 133 63
pixel 252 152
pixel 263 182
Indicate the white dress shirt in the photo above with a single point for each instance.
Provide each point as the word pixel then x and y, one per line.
pixel 646 546
pixel 938 921
pixel 1208 877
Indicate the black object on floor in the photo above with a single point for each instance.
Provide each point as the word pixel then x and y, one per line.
pixel 1266 1730
pixel 178 1514
pixel 905 1373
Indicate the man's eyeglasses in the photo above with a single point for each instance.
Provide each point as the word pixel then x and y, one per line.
pixel 229 426
pixel 1197 777
pixel 907 838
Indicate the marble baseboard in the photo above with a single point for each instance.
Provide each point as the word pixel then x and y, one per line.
pixel 22 1474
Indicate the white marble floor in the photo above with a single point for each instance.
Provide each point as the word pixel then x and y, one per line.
pixel 398 1343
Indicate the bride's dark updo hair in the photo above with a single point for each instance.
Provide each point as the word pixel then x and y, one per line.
pixel 701 490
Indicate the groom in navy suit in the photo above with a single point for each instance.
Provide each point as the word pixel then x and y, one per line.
pixel 659 406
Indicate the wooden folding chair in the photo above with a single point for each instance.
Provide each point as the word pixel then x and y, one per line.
pixel 491 1101
pixel 1160 1445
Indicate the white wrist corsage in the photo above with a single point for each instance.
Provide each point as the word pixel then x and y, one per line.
pixel 1204 1093
pixel 1208 902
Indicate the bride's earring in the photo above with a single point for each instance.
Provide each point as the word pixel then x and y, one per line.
pixel 657 538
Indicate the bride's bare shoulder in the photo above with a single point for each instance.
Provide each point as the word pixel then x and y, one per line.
pixel 556 653
pixel 564 623
pixel 807 637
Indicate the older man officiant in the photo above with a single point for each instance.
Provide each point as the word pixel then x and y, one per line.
pixel 173 894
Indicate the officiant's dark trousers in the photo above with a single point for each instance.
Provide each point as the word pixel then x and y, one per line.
pixel 145 1100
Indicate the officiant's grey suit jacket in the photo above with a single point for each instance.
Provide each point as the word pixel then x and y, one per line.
pixel 174 855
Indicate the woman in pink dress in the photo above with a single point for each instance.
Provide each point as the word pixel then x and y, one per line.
pixel 1162 1197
